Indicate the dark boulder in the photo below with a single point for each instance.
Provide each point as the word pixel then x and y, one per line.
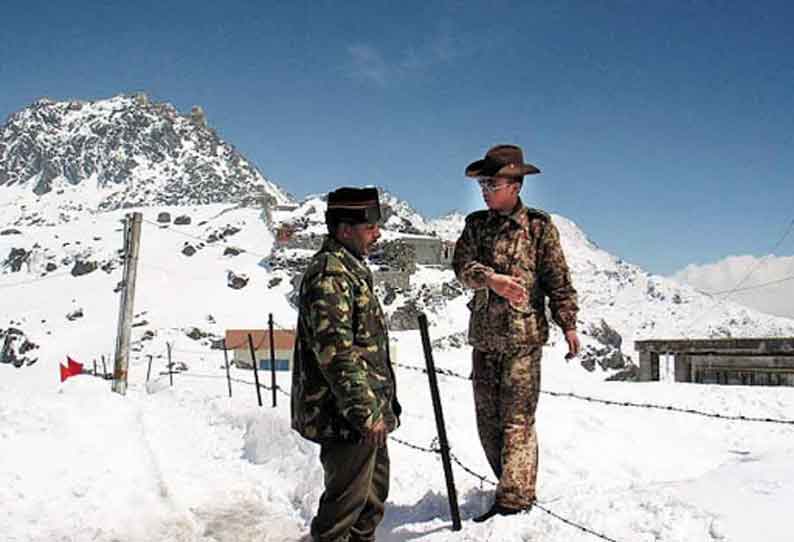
pixel 405 317
pixel 83 267
pixel 74 315
pixel 235 281
pixel 232 251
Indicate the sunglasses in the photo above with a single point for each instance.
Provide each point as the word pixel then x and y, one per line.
pixel 489 184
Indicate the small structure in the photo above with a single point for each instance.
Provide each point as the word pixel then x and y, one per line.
pixel 427 250
pixel 240 352
pixel 284 234
pixel 447 251
pixel 198 117
pixel 754 362
pixel 395 279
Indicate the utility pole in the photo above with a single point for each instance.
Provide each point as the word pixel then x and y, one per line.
pixel 132 240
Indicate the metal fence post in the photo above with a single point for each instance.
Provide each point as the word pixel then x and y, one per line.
pixel 170 365
pixel 442 431
pixel 256 370
pixel 226 358
pixel 272 358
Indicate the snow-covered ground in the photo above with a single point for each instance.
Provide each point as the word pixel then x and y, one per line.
pixel 188 463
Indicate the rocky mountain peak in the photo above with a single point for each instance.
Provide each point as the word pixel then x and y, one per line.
pixel 137 152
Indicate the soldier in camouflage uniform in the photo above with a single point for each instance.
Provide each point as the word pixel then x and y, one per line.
pixel 511 256
pixel 343 386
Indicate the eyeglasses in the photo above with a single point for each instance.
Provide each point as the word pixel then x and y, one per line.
pixel 489 184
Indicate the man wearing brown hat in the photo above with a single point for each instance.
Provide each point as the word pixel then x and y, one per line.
pixel 343 386
pixel 511 256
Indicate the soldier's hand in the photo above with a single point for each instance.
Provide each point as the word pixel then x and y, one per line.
pixel 508 287
pixel 573 343
pixel 377 434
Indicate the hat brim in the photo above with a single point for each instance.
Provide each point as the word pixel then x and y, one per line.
pixel 485 168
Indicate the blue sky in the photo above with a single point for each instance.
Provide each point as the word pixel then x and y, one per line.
pixel 664 129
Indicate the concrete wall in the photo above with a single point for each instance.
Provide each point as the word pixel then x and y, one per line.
pixel 683 367
pixel 726 361
pixel 427 250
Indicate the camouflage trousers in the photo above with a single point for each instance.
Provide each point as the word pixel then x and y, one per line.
pixel 356 486
pixel 506 389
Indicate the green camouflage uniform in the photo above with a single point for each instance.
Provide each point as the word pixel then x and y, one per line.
pixel 342 384
pixel 508 339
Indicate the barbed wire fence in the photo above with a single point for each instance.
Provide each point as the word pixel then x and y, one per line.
pixel 434 449
pixel 571 395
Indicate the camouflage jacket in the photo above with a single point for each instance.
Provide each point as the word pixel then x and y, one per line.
pixel 526 245
pixel 342 377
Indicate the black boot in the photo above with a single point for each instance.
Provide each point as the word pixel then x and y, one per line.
pixel 498 510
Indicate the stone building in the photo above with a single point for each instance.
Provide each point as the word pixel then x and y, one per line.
pixel 429 250
pixel 754 362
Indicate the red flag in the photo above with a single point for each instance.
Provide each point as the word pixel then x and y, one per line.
pixel 75 368
pixel 71 369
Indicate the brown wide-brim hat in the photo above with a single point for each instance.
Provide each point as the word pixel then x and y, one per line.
pixel 501 161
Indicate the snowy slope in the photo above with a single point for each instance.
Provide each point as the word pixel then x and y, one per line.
pixel 189 463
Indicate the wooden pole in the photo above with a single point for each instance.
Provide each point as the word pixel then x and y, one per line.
pixel 272 358
pixel 132 240
pixel 256 371
pixel 149 370
pixel 226 358
pixel 170 365
pixel 104 368
pixel 452 493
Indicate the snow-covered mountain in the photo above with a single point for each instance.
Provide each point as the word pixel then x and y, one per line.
pixel 58 157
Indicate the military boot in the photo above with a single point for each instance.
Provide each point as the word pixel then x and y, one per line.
pixel 499 510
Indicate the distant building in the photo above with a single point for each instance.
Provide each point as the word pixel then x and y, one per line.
pixel 240 352
pixel 753 362
pixel 429 250
pixel 284 234
pixel 394 279
pixel 447 250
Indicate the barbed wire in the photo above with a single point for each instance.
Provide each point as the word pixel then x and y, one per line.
pixel 754 287
pixel 669 408
pixel 431 450
pixel 738 286
pixel 484 479
pixel 222 377
pixel 571 523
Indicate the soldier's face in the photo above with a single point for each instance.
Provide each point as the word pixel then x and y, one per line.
pixel 361 237
pixel 500 193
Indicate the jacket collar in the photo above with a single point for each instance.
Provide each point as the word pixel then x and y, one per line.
pixel 518 215
pixel 348 259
